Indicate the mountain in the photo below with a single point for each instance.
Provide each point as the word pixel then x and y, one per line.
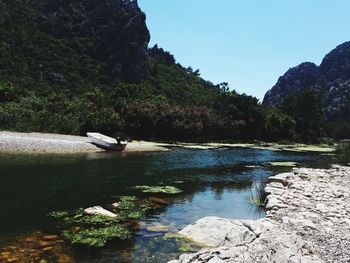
pixel 72 66
pixel 63 43
pixel 331 79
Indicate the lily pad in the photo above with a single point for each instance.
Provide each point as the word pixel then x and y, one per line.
pixel 158 189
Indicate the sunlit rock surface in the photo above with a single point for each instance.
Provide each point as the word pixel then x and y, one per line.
pixel 308 220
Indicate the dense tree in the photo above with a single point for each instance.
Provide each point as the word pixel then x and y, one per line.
pixel 306 110
pixel 278 126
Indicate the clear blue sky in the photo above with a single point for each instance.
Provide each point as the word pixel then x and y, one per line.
pixel 247 43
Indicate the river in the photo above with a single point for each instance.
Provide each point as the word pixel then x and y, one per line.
pixel 217 182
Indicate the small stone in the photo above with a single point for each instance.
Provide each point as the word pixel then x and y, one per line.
pixel 98 210
pixel 158 228
pixel 47 249
pixel 49 237
pixel 43 243
pixel 115 205
pixel 12 259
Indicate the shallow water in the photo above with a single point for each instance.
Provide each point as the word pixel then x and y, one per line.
pixel 214 182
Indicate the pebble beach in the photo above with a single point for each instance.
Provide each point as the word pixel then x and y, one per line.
pixel 45 143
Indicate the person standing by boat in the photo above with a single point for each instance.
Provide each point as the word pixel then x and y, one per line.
pixel 119 141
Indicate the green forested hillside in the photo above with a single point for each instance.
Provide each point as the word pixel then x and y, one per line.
pixel 72 66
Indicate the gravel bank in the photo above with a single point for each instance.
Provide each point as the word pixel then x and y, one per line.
pixel 308 220
pixel 41 143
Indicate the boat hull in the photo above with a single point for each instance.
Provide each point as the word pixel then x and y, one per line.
pixel 106 142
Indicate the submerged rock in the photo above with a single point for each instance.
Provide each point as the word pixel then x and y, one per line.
pixel 98 210
pixel 157 200
pixel 158 228
pixel 115 205
pixel 35 247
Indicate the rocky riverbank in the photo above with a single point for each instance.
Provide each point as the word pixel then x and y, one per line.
pixel 308 220
pixel 45 143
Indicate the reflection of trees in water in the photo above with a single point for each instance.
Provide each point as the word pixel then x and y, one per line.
pixel 220 188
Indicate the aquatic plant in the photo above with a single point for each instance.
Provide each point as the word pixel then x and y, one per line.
pixel 130 208
pixel 158 189
pixel 184 249
pixel 97 237
pixel 96 230
pixel 179 242
pixel 258 194
pixel 59 214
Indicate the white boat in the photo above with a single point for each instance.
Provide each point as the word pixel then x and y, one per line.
pixel 106 142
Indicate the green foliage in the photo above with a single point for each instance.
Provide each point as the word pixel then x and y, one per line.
pixel 343 154
pixel 278 126
pixel 327 141
pixel 7 92
pixel 306 110
pixel 338 130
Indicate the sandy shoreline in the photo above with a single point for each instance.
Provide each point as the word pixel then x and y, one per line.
pixel 45 143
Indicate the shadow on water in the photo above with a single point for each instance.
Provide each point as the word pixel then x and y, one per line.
pixel 214 183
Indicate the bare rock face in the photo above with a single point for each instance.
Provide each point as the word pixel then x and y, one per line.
pixel 308 220
pixel 331 79
pixel 293 82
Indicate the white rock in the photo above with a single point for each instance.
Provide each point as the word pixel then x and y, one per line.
pixel 115 205
pixel 98 210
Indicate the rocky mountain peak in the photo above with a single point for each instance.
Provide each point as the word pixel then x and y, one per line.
pixel 331 79
pixel 292 83
pixel 336 64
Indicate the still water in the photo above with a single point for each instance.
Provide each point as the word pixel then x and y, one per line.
pixel 214 183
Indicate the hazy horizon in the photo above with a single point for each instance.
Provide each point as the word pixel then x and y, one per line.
pixel 247 44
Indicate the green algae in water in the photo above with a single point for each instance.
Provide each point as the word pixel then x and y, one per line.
pixel 96 230
pixel 256 201
pixel 89 230
pixel 129 208
pixel 158 189
pixel 97 237
pixel 77 217
pixel 178 243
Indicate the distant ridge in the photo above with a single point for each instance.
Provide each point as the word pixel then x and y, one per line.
pixel 331 79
